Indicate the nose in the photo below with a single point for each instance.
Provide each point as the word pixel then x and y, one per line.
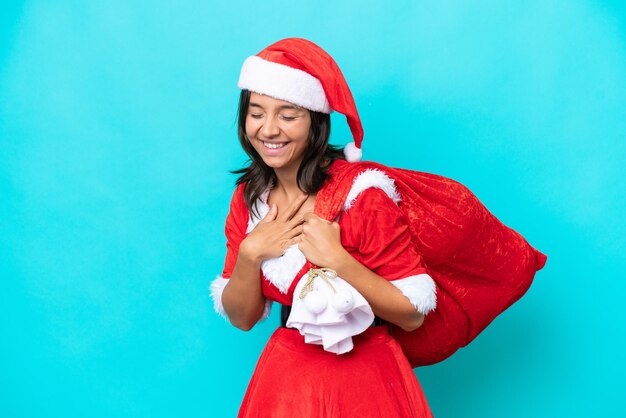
pixel 270 128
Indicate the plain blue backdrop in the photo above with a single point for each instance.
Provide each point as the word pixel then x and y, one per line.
pixel 117 131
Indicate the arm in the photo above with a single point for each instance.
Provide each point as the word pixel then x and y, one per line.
pixel 234 297
pixel 381 263
pixel 386 300
pixel 320 243
pixel 242 297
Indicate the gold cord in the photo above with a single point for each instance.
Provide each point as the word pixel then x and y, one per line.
pixel 325 273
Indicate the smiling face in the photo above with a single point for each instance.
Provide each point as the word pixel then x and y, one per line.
pixel 278 131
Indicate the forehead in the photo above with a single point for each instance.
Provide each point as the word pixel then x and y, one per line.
pixel 257 99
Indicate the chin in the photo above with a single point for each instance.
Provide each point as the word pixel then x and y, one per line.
pixel 278 163
pixel 272 164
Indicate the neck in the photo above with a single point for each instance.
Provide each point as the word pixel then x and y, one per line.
pixel 287 179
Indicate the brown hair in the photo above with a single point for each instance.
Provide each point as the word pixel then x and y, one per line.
pixel 257 176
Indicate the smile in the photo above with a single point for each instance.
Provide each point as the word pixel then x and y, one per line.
pixel 273 145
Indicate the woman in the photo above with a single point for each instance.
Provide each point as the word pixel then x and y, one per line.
pixel 333 356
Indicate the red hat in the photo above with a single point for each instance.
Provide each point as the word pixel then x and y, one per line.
pixel 302 73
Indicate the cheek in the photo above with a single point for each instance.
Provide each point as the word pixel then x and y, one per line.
pixel 250 129
pixel 300 133
pixel 304 131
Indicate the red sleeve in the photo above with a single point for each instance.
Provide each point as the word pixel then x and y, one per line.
pixel 380 236
pixel 235 230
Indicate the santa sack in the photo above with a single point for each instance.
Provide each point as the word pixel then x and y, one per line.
pixel 480 266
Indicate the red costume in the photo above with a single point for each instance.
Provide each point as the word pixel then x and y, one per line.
pixel 426 234
pixel 374 379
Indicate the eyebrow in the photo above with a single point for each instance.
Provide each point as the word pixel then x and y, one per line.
pixel 287 106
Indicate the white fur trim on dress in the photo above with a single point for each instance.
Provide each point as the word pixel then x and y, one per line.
pixel 280 271
pixel 371 177
pixel 420 290
pixel 217 288
pixel 284 83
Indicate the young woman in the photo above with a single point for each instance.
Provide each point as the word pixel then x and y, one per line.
pixel 333 356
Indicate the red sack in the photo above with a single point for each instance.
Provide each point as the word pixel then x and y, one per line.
pixel 480 266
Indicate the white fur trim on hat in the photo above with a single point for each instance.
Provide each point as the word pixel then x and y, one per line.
pixel 352 153
pixel 420 290
pixel 284 83
pixel 217 288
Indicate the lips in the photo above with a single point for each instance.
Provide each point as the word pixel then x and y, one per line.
pixel 272 149
pixel 273 145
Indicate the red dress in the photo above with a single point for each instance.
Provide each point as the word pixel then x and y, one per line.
pixel 374 379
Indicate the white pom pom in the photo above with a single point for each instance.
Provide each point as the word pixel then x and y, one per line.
pixel 315 302
pixel 343 302
pixel 352 153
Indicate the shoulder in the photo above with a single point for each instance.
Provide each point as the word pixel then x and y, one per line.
pixel 370 202
pixel 238 215
pixel 237 201
pixel 371 207
pixel 237 196
pixel 370 187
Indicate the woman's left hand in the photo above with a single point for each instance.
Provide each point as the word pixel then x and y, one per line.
pixel 320 242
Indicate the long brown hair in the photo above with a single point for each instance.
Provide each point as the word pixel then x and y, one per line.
pixel 257 176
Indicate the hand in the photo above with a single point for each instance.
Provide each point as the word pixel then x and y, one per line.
pixel 274 233
pixel 320 242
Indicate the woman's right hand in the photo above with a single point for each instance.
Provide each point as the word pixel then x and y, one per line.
pixel 274 233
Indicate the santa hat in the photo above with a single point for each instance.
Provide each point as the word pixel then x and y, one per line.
pixel 302 73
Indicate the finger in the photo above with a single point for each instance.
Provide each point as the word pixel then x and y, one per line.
pixel 294 232
pixel 271 215
pixel 290 242
pixel 294 222
pixel 311 216
pixel 295 207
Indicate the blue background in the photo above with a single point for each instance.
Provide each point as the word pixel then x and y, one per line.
pixel 117 131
